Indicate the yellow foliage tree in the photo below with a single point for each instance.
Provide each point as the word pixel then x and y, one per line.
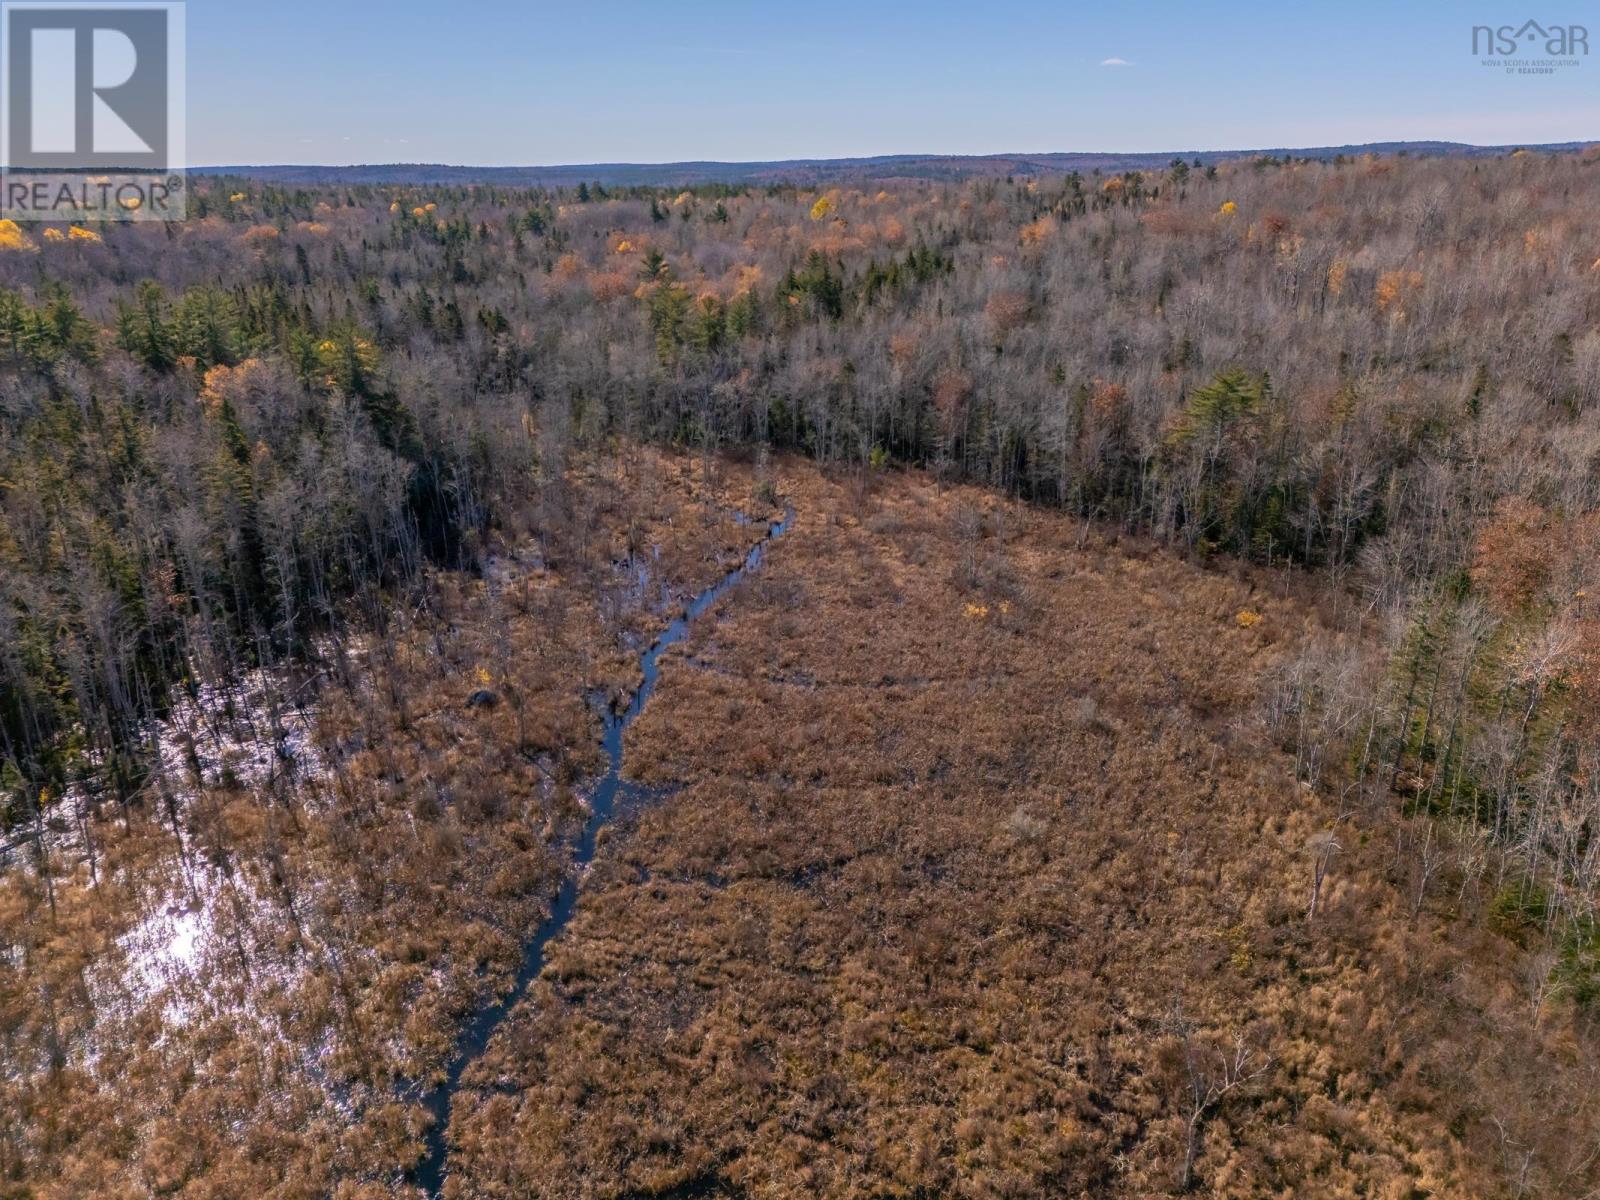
pixel 231 383
pixel 746 280
pixel 1395 288
pixel 821 209
pixel 12 237
pixel 259 237
pixel 1038 232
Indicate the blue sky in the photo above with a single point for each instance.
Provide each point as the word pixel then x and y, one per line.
pixel 499 82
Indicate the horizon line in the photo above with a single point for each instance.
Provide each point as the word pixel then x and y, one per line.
pixel 901 155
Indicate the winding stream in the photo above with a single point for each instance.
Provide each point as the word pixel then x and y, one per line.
pixel 610 796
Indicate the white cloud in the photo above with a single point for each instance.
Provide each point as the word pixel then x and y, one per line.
pixel 1115 62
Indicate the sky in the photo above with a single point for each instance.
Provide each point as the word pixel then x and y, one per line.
pixel 497 82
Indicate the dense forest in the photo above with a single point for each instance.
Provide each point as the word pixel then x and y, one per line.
pixel 282 485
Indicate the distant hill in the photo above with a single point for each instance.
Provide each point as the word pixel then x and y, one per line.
pixel 814 171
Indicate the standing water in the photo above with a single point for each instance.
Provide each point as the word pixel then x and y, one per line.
pixel 609 796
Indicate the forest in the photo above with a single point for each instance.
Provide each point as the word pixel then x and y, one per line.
pixel 1162 758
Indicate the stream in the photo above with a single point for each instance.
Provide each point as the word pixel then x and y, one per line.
pixel 611 796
